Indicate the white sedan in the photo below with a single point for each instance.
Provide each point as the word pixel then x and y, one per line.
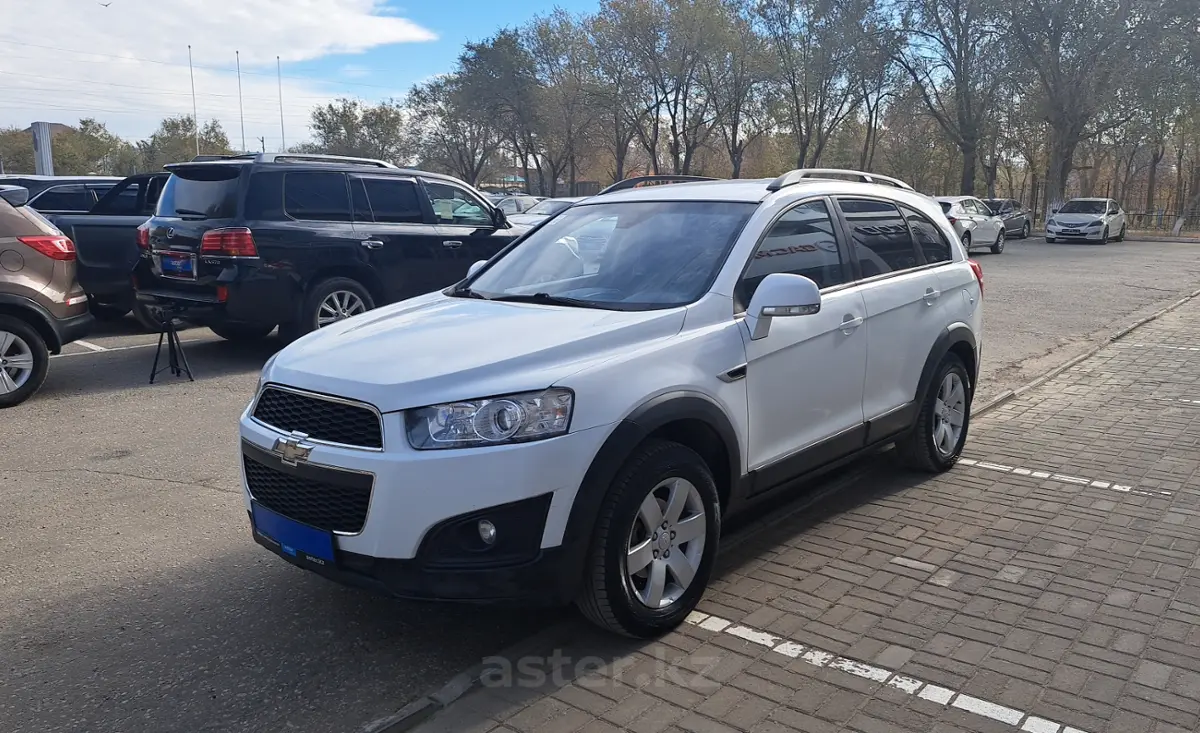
pixel 1087 220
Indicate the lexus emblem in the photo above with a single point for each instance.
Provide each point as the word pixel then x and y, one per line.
pixel 170 232
pixel 292 449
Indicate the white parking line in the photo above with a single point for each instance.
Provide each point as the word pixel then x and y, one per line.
pixel 1052 476
pixel 120 348
pixel 90 345
pixel 1161 346
pixel 908 685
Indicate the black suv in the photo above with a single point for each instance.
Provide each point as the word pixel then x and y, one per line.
pixel 247 243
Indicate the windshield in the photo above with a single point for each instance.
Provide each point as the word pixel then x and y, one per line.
pixel 621 256
pixel 994 204
pixel 549 207
pixel 1083 207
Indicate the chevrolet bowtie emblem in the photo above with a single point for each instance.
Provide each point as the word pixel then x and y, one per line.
pixel 293 449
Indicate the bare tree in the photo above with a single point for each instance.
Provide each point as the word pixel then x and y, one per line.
pixel 558 45
pixel 448 132
pixel 736 75
pixel 618 93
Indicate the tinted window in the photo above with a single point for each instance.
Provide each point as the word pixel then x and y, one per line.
pixel 64 198
pixel 656 254
pixel 946 206
pixel 125 202
pixel 1083 207
pixel 208 191
pixel 316 196
pixel 394 200
pixel 882 242
pixel 801 242
pixel 929 238
pixel 453 205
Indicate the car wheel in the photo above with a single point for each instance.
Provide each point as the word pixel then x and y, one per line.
pixel 1025 231
pixel 998 246
pixel 328 302
pixel 24 361
pixel 937 439
pixel 106 312
pixel 966 241
pixel 1104 236
pixel 1050 240
pixel 654 544
pixel 241 332
pixel 1121 236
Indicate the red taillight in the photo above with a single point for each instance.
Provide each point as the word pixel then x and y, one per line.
pixel 952 220
pixel 56 247
pixel 978 274
pixel 231 242
pixel 143 235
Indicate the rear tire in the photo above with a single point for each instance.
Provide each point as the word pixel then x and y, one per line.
pixel 149 317
pixel 966 242
pixel 661 482
pixel 322 301
pixel 928 448
pixel 241 332
pixel 24 361
pixel 1025 231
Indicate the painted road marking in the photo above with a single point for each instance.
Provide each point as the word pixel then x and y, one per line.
pixel 121 348
pixel 1063 478
pixel 908 685
pixel 90 345
pixel 1163 346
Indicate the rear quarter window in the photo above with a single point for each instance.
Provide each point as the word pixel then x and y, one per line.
pixel 210 191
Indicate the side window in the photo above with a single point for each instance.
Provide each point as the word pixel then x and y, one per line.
pixel 929 238
pixel 64 198
pixel 453 205
pixel 125 202
pixel 1016 205
pixel 510 206
pixel 969 207
pixel 394 200
pixel 316 196
pixel 881 239
pixel 801 242
pixel 153 190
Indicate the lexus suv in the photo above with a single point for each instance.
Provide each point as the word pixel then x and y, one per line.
pixel 245 243
pixel 42 306
pixel 555 428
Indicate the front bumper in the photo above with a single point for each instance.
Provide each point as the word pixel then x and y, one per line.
pixel 1080 234
pixel 425 505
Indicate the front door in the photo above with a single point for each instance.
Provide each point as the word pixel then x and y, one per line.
pixel 804 379
pixel 469 233
pixel 399 238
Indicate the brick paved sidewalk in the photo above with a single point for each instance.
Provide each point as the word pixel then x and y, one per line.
pixel 1048 584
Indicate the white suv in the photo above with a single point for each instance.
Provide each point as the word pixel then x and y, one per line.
pixel 573 423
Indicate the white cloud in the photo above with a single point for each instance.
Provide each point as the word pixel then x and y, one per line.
pixel 115 78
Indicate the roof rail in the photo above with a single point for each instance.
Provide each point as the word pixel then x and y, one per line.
pixel 644 181
pixel 793 177
pixel 316 158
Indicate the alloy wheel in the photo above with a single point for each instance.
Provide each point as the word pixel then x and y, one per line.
pixel 949 414
pixel 666 543
pixel 16 362
pixel 338 306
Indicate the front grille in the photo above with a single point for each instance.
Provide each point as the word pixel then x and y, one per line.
pixel 336 507
pixel 320 419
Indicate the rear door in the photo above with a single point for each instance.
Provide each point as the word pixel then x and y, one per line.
pixel 398 236
pixel 465 222
pixel 106 237
pixel 902 297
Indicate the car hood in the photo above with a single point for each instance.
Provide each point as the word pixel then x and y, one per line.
pixel 435 349
pixel 1068 220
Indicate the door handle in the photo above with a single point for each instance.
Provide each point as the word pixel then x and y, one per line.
pixel 850 323
pixel 452 244
pixel 931 295
pixel 372 243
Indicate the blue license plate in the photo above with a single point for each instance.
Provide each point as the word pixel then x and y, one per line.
pixel 178 265
pixel 293 538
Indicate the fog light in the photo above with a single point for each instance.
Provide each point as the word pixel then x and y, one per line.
pixel 487 532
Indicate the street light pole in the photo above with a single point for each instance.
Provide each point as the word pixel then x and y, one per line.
pixel 195 116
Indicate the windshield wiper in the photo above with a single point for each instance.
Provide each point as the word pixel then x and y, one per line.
pixel 465 292
pixel 191 212
pixel 547 299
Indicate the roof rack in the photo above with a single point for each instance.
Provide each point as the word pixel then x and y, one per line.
pixel 292 158
pixel 793 177
pixel 644 181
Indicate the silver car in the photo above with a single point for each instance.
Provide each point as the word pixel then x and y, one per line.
pixel 975 223
pixel 1087 220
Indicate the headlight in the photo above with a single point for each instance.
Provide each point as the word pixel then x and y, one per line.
pixel 1094 224
pixel 1051 223
pixel 515 418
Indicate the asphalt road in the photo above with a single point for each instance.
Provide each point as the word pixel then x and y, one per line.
pixel 132 598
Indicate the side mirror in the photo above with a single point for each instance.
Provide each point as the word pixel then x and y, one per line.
pixel 781 295
pixel 1053 210
pixel 499 219
pixel 476 267
pixel 15 195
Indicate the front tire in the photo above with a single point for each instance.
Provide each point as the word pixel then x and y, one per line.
pixel 654 544
pixel 1104 236
pixel 998 246
pixel 1050 240
pixel 1121 236
pixel 241 332
pixel 24 361
pixel 937 439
